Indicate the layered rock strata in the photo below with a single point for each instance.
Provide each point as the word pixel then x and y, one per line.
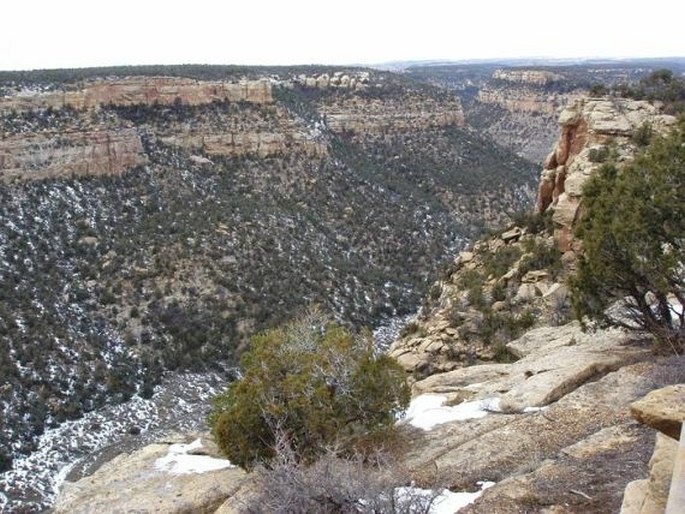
pixel 524 91
pixel 590 128
pixel 143 90
pixel 373 116
pixel 53 153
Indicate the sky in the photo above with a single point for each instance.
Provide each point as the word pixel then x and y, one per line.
pixel 82 33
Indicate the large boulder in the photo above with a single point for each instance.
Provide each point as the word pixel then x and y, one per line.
pixel 663 409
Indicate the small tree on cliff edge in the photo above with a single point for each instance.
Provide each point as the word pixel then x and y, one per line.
pixel 311 385
pixel 633 235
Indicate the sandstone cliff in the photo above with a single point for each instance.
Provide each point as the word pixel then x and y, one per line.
pixel 141 90
pixel 369 115
pixel 519 105
pixel 97 151
pixel 590 129
pixel 526 91
pixel 95 136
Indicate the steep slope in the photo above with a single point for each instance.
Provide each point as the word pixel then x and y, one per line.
pixel 154 223
pixel 554 428
pixel 516 279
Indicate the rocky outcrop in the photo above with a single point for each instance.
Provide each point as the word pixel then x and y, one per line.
pixel 262 144
pixel 53 154
pixel 526 76
pixel 351 80
pixel 553 362
pixel 526 91
pixel 523 100
pixel 650 495
pixel 143 90
pixel 522 90
pixel 493 293
pixel 663 410
pixel 577 454
pixel 91 136
pixel 166 477
pixel 590 129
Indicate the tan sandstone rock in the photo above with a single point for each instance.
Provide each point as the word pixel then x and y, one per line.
pixel 145 90
pixel 650 496
pixel 137 483
pixel 588 124
pixel 663 409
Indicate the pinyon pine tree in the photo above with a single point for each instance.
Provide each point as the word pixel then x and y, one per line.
pixel 633 235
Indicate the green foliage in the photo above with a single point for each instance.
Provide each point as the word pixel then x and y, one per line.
pixel 598 154
pixel 412 328
pixel 662 86
pixel 632 234
pixel 642 135
pixel 534 222
pixel 498 328
pixel 315 385
pixel 499 262
pixel 472 281
pixel 598 90
pixel 541 255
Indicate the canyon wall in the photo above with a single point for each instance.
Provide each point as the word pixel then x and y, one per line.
pixel 142 90
pixel 591 128
pixel 100 133
pixel 51 154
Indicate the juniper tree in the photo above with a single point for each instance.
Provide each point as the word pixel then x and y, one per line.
pixel 633 236
pixel 312 384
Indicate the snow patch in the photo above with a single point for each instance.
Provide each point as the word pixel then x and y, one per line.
pixel 447 502
pixel 533 409
pixel 428 410
pixel 179 462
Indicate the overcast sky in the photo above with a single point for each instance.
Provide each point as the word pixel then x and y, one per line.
pixel 79 33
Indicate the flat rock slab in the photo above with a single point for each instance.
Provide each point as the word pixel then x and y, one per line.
pixel 137 483
pixel 591 483
pixel 503 445
pixel 554 362
pixel 663 409
pixel 452 381
pixel 549 375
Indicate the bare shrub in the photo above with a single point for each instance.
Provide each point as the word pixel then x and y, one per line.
pixel 335 484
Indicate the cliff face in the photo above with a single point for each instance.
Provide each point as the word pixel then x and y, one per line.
pixel 85 152
pixel 526 91
pixel 90 143
pixel 142 90
pixel 374 116
pixel 590 129
pixel 91 129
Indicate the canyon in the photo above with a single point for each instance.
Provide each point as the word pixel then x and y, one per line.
pixel 155 222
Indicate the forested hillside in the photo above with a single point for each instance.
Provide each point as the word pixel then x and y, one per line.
pixel 152 224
